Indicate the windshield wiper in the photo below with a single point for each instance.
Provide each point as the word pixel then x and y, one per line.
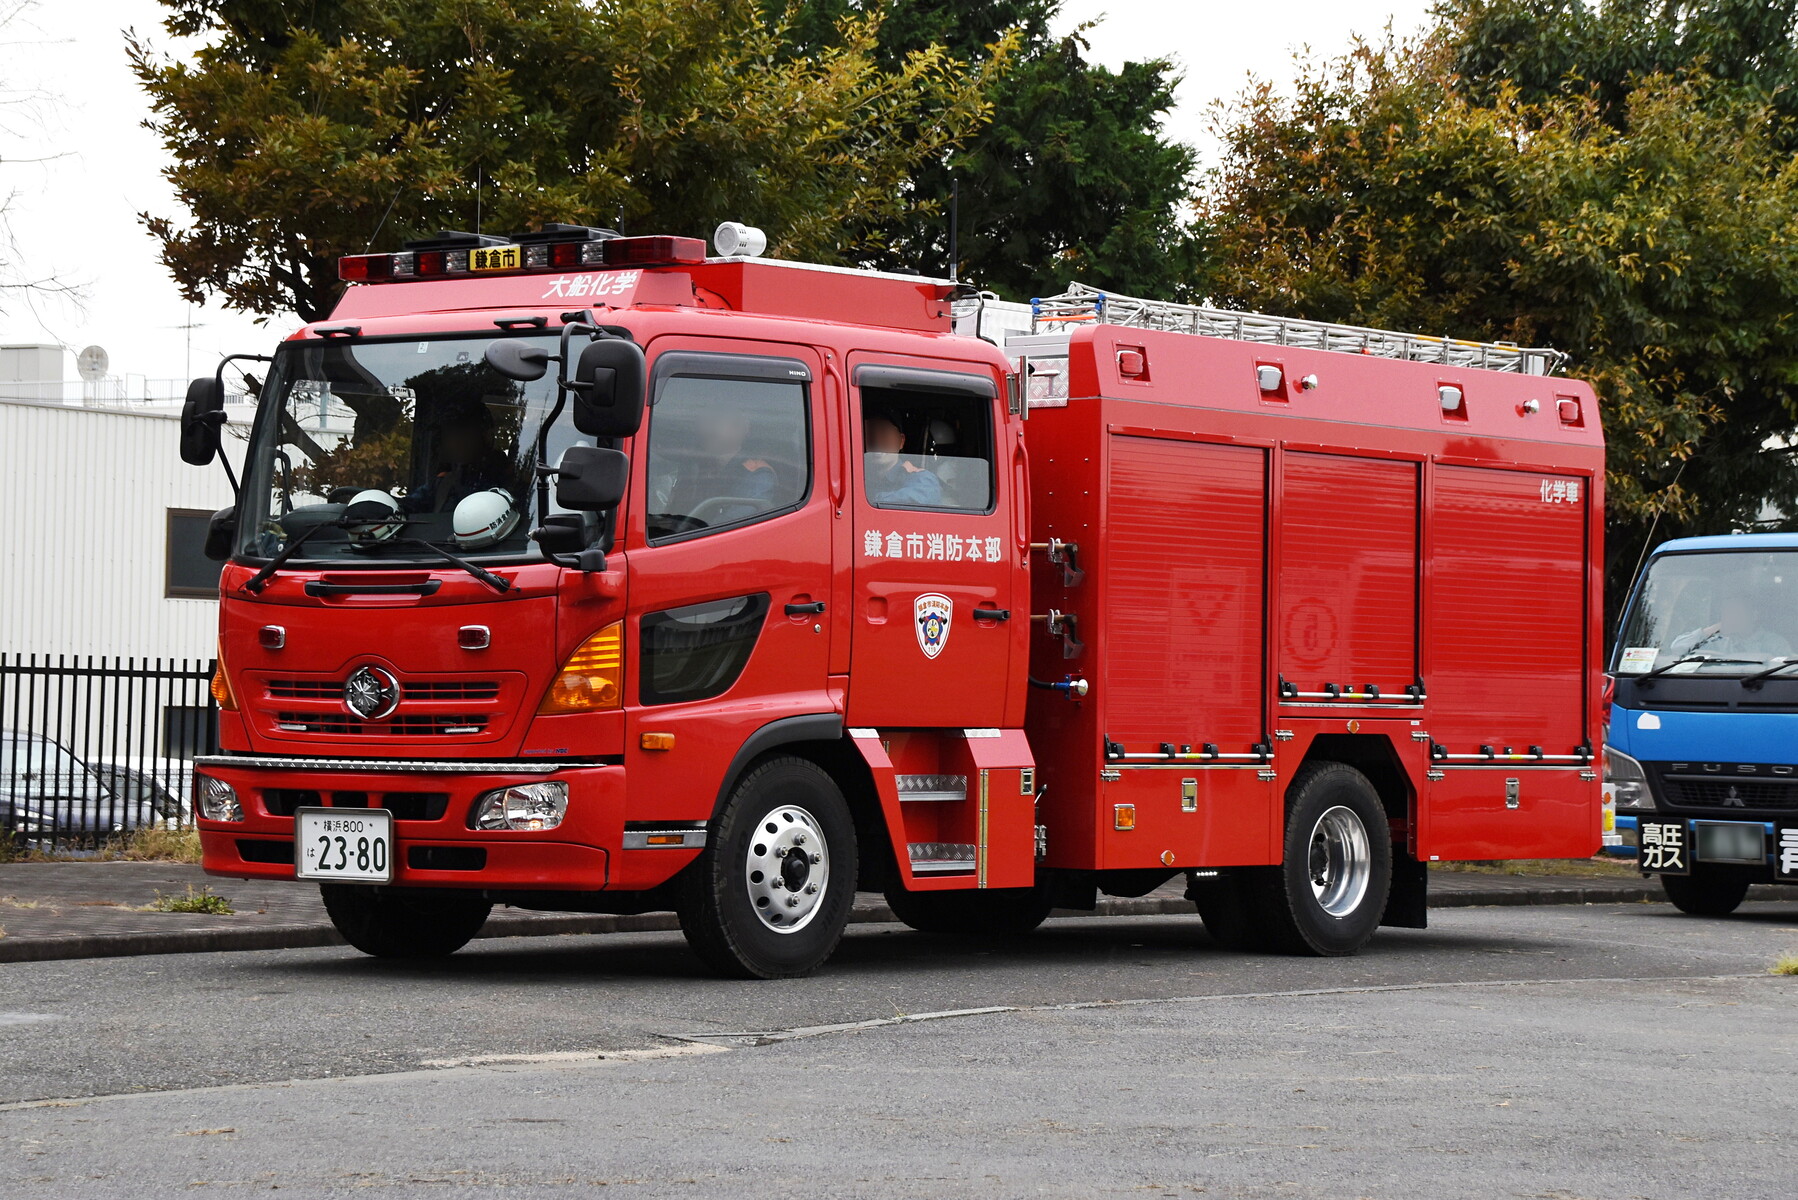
pixel 1775 669
pixel 487 577
pixel 255 583
pixel 1697 658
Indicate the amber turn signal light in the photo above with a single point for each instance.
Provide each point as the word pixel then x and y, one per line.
pixel 657 741
pixel 593 676
pixel 221 687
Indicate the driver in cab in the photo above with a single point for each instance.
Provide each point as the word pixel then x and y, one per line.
pixel 893 480
pixel 1738 633
pixel 719 483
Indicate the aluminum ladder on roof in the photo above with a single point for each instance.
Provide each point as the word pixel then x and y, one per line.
pixel 1056 314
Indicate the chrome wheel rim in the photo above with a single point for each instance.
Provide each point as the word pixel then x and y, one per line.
pixel 787 868
pixel 1341 862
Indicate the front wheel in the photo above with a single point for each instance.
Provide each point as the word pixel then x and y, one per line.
pixel 1705 893
pixel 404 923
pixel 770 897
pixel 976 912
pixel 1330 890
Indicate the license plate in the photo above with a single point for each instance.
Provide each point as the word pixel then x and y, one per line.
pixel 344 845
pixel 1730 842
pixel 496 258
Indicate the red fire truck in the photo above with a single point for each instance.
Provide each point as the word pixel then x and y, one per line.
pixel 573 571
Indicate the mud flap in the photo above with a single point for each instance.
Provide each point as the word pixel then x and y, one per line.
pixel 1408 903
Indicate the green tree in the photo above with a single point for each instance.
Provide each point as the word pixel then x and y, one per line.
pixel 1659 247
pixel 295 140
pixel 1073 177
pixel 1546 48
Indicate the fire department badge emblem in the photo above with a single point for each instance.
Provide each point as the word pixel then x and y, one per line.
pixel 371 693
pixel 933 611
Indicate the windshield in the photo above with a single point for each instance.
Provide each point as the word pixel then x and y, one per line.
pixel 1729 613
pixel 420 440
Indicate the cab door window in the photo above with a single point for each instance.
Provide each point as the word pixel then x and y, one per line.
pixel 729 443
pixel 927 443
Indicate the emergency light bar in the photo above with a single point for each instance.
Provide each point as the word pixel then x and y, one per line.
pixel 548 250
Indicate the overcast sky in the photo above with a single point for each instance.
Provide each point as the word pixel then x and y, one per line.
pixel 75 215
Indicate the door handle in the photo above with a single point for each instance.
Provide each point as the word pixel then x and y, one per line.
pixel 800 610
pixel 992 614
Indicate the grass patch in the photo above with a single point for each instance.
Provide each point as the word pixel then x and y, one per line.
pixel 151 843
pixel 204 901
pixel 1786 964
pixel 1604 866
pixel 155 843
pixel 15 902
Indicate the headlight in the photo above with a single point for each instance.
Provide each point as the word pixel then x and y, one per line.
pixel 527 806
pixel 1625 782
pixel 216 800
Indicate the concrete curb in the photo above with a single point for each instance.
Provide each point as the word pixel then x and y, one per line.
pixel 294 937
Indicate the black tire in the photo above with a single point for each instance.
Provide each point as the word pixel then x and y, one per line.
pixel 1328 798
pixel 748 881
pixel 1705 893
pixel 1233 909
pixel 977 912
pixel 404 922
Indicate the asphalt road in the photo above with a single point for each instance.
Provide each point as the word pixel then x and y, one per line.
pixel 1619 1051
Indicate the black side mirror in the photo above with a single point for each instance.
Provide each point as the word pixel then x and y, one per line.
pixel 592 479
pixel 201 418
pixel 518 359
pixel 609 387
pixel 221 532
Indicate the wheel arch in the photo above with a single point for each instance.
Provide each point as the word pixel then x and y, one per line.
pixel 819 739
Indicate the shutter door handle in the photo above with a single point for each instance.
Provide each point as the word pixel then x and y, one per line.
pixel 800 610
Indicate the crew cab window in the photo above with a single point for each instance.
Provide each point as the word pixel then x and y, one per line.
pixel 923 447
pixel 725 452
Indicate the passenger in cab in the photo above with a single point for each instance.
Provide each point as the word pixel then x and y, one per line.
pixel 720 481
pixel 894 480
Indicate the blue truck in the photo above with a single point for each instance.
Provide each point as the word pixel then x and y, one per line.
pixel 1701 758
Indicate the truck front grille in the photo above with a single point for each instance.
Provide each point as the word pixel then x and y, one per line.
pixel 1686 789
pixel 414 689
pixel 398 725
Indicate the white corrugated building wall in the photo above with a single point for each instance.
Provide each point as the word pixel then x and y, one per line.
pixel 91 497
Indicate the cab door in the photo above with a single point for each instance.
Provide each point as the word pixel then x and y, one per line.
pixel 730 564
pixel 936 548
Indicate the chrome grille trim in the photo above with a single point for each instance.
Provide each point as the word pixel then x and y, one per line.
pixel 409 766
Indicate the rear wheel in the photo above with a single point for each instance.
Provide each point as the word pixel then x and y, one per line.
pixel 977 912
pixel 1330 890
pixel 1706 893
pixel 404 923
pixel 770 896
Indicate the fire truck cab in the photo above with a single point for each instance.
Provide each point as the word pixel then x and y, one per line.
pixel 580 572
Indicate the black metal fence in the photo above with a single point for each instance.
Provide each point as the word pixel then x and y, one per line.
pixel 92 749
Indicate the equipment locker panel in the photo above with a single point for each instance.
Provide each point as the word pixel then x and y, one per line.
pixel 1348 573
pixel 1506 665
pixel 1184 567
pixel 1507 611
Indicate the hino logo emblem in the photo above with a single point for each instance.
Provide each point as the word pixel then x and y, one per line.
pixel 371 693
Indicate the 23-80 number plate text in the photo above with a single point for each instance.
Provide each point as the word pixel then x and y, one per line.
pixel 345 845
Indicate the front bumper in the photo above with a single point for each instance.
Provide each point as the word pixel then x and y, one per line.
pixel 431 802
pixel 1667 843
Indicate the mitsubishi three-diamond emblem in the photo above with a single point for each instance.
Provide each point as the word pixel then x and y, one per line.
pixel 371 693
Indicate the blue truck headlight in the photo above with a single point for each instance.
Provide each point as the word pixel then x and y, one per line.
pixel 1625 782
pixel 525 806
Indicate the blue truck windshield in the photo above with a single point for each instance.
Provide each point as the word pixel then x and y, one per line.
pixel 1716 613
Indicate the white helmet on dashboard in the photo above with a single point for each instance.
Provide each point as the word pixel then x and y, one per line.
pixel 483 519
pixel 372 517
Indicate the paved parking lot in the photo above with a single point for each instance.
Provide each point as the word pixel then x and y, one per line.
pixel 1588 1051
